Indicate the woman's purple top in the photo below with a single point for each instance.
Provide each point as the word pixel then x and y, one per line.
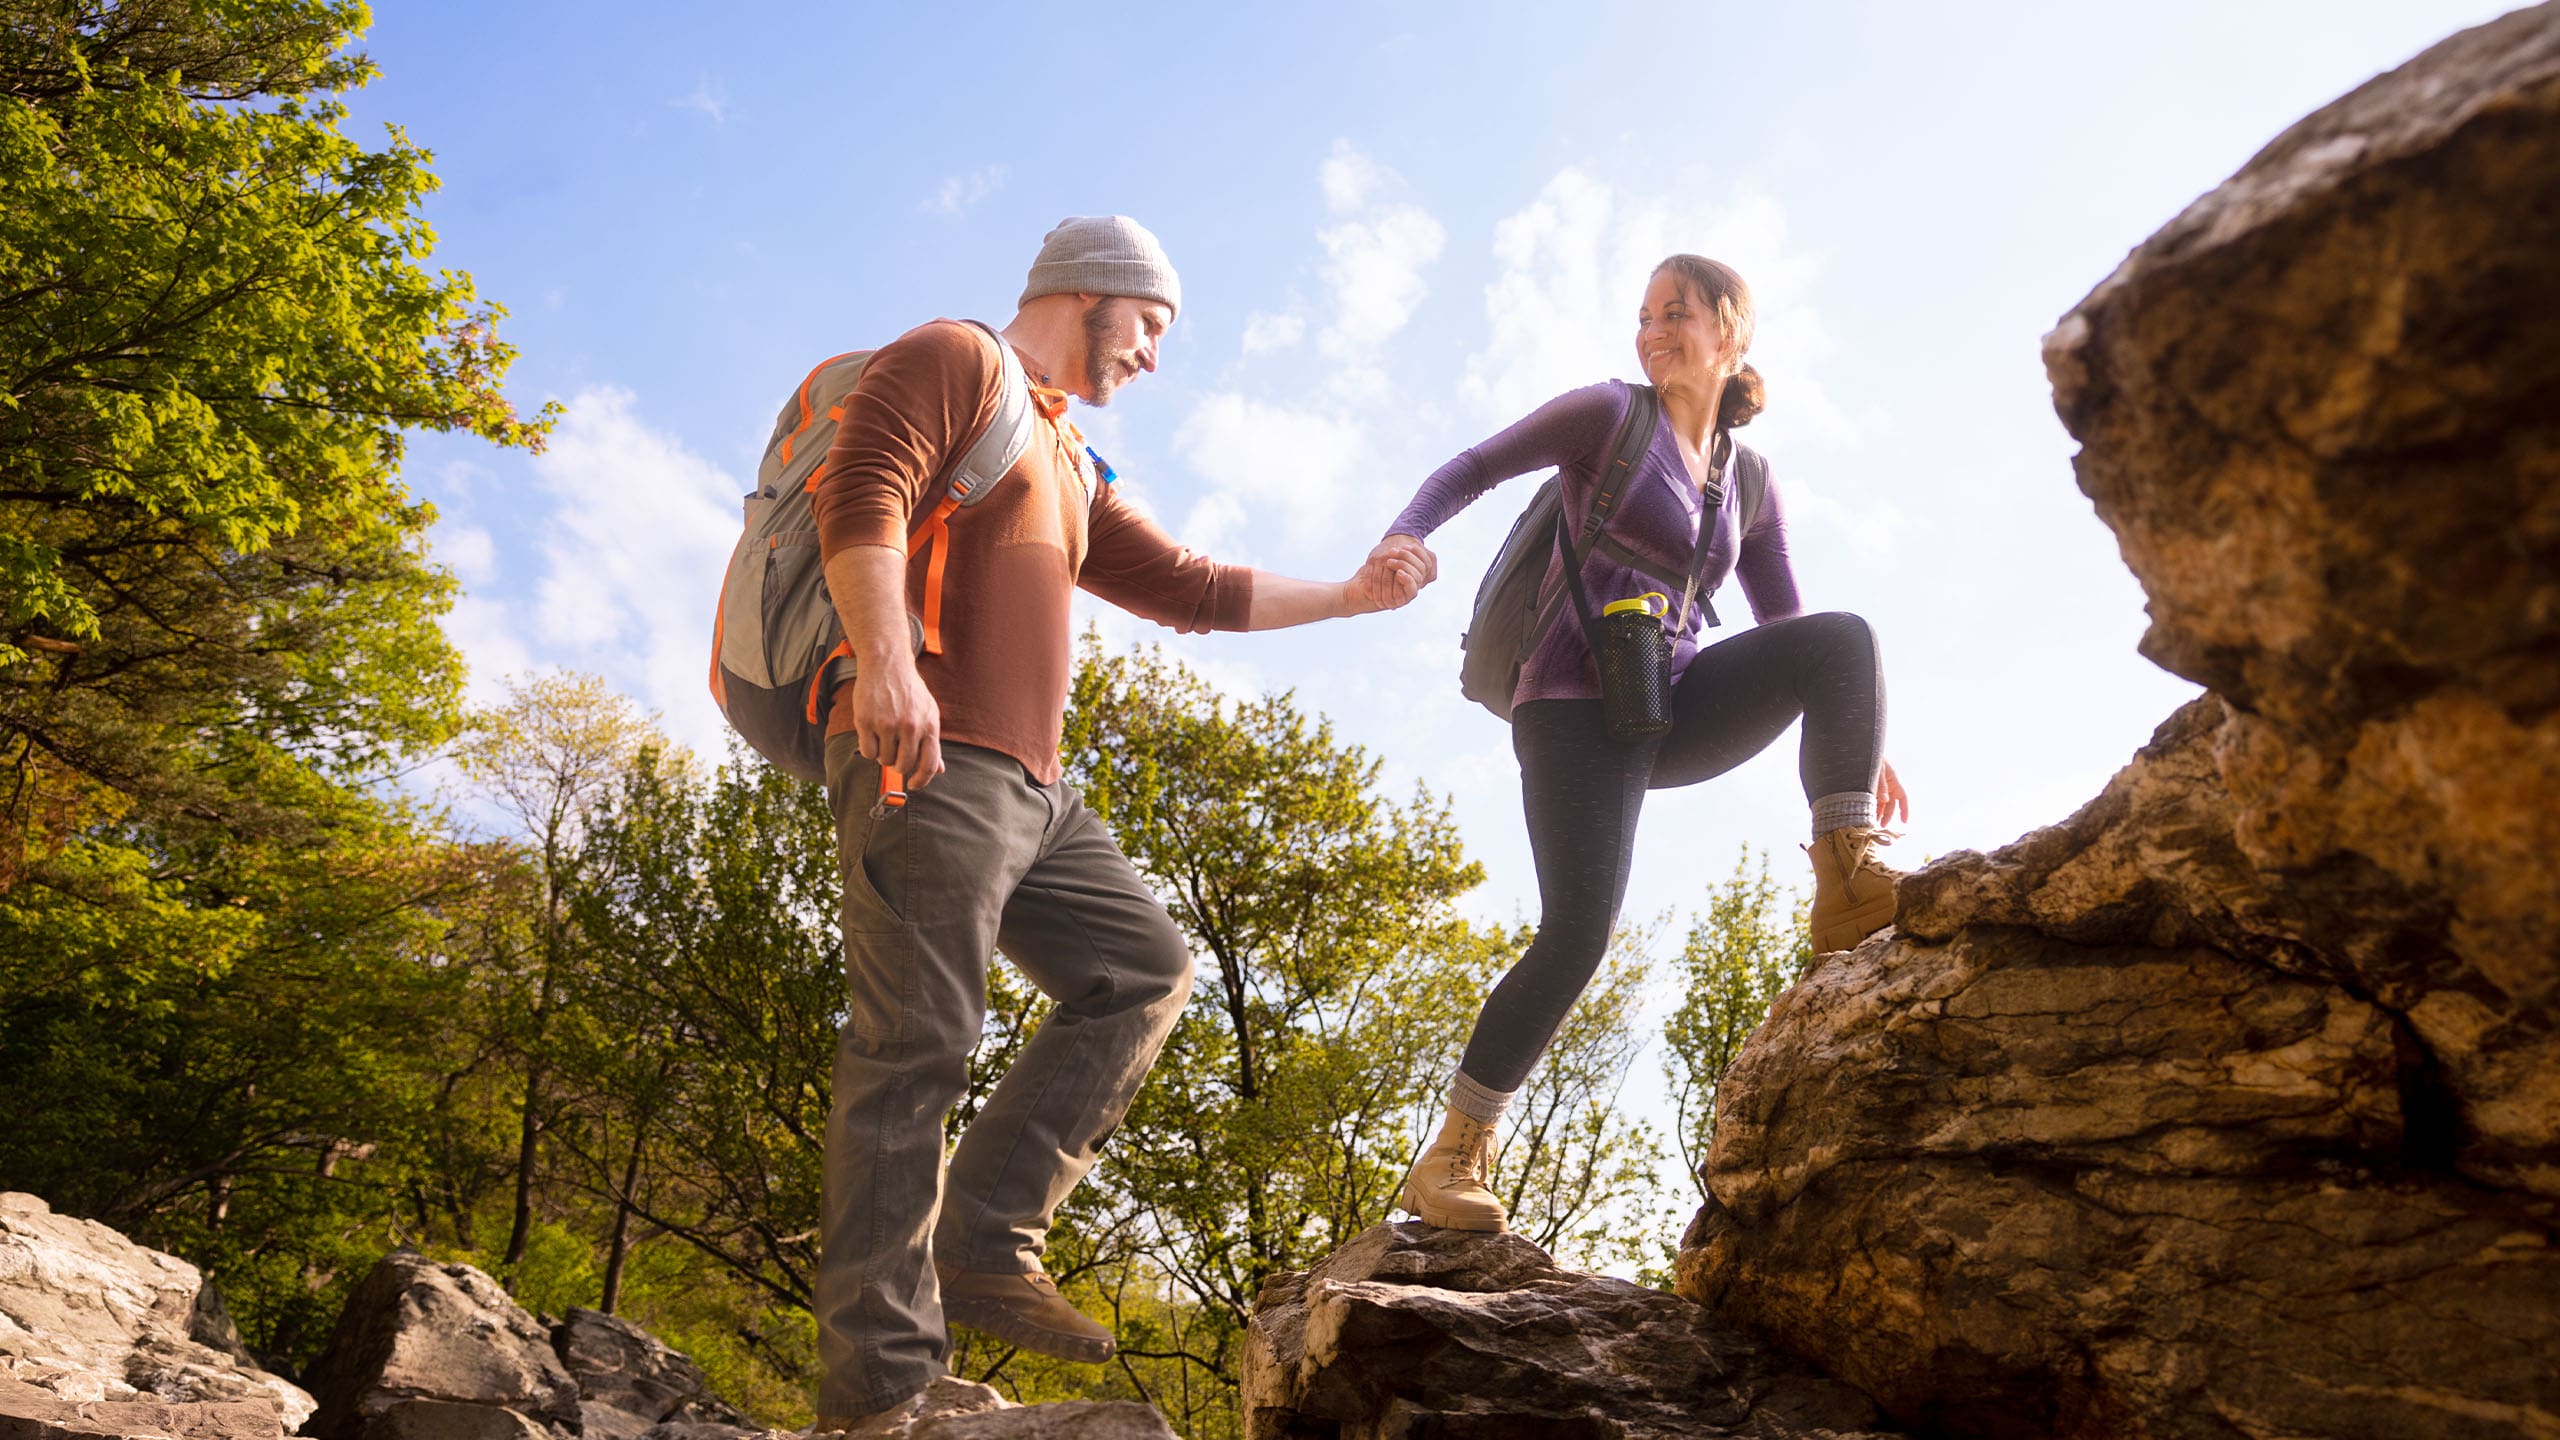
pixel 1657 518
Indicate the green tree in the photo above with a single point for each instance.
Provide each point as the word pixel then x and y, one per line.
pixel 547 757
pixel 235 1053
pixel 1741 955
pixel 223 962
pixel 215 329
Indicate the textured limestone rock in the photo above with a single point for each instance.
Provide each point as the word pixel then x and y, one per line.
pixel 956 1409
pixel 2230 1106
pixel 91 1318
pixel 1412 1330
pixel 2321 411
pixel 445 1347
pixel 28 1412
pixel 629 1382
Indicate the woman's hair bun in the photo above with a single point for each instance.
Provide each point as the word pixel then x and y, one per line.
pixel 1744 396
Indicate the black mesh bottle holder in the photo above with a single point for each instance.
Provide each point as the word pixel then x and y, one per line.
pixel 1634 656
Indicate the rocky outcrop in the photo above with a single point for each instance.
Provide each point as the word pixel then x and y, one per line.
pixel 439 1352
pixel 2231 1105
pixel 93 1322
pixel 1411 1330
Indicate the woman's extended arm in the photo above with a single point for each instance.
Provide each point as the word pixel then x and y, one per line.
pixel 1569 427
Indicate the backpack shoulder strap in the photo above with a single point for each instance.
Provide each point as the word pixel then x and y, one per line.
pixel 1751 474
pixel 999 447
pixel 1634 437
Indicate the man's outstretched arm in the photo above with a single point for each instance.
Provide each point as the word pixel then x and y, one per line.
pixel 1383 582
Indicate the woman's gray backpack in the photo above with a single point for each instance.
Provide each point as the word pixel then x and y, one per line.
pixel 1514 607
pixel 777 649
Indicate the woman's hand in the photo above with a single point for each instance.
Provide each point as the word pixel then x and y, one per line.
pixel 1396 570
pixel 1893 803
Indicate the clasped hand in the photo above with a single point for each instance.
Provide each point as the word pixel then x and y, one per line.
pixel 1396 570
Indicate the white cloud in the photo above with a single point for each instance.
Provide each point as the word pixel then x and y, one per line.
pixel 1265 331
pixel 1374 268
pixel 1263 459
pixel 959 192
pixel 709 97
pixel 486 635
pixel 470 552
pixel 634 548
pixel 1573 263
pixel 1351 179
pixel 1375 258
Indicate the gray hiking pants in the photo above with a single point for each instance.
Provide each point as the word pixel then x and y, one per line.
pixel 983 857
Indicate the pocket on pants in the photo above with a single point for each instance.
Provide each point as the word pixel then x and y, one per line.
pixel 873 859
pixel 879 980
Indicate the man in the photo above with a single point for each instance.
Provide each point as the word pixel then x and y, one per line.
pixel 956 833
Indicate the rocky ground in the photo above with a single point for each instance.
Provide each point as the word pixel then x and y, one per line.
pixel 2230 1106
pixel 102 1339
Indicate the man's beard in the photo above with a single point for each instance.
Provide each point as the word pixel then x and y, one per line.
pixel 1103 371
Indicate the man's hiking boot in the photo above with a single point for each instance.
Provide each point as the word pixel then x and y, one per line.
pixel 1023 1309
pixel 1852 891
pixel 1451 1186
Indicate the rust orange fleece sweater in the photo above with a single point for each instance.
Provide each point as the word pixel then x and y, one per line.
pixel 1015 557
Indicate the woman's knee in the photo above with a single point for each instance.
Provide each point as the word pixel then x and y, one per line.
pixel 1844 628
pixel 1566 949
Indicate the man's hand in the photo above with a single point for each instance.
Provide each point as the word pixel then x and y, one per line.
pixel 1396 570
pixel 896 721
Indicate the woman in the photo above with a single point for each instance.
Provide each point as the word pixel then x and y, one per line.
pixel 1582 789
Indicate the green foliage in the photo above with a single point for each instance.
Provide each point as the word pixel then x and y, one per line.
pixel 231 1057
pixel 225 969
pixel 1748 948
pixel 717 983
pixel 214 329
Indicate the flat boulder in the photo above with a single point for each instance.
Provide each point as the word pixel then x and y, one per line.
pixel 1414 1330
pixel 90 1318
pixel 28 1412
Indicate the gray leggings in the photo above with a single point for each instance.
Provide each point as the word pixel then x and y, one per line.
pixel 1583 792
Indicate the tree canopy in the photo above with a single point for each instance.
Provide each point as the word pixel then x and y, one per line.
pixel 216 326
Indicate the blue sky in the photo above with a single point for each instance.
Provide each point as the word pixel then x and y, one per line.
pixel 1399 226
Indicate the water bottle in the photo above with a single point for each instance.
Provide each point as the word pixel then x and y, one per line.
pixel 1634 655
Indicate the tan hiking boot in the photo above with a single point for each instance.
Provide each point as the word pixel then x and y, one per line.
pixel 1852 890
pixel 1451 1186
pixel 1023 1309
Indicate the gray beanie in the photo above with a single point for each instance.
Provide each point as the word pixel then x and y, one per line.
pixel 1103 255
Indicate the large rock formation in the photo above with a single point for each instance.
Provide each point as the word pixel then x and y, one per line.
pixel 424 1351
pixel 2231 1105
pixel 1415 1331
pixel 95 1326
